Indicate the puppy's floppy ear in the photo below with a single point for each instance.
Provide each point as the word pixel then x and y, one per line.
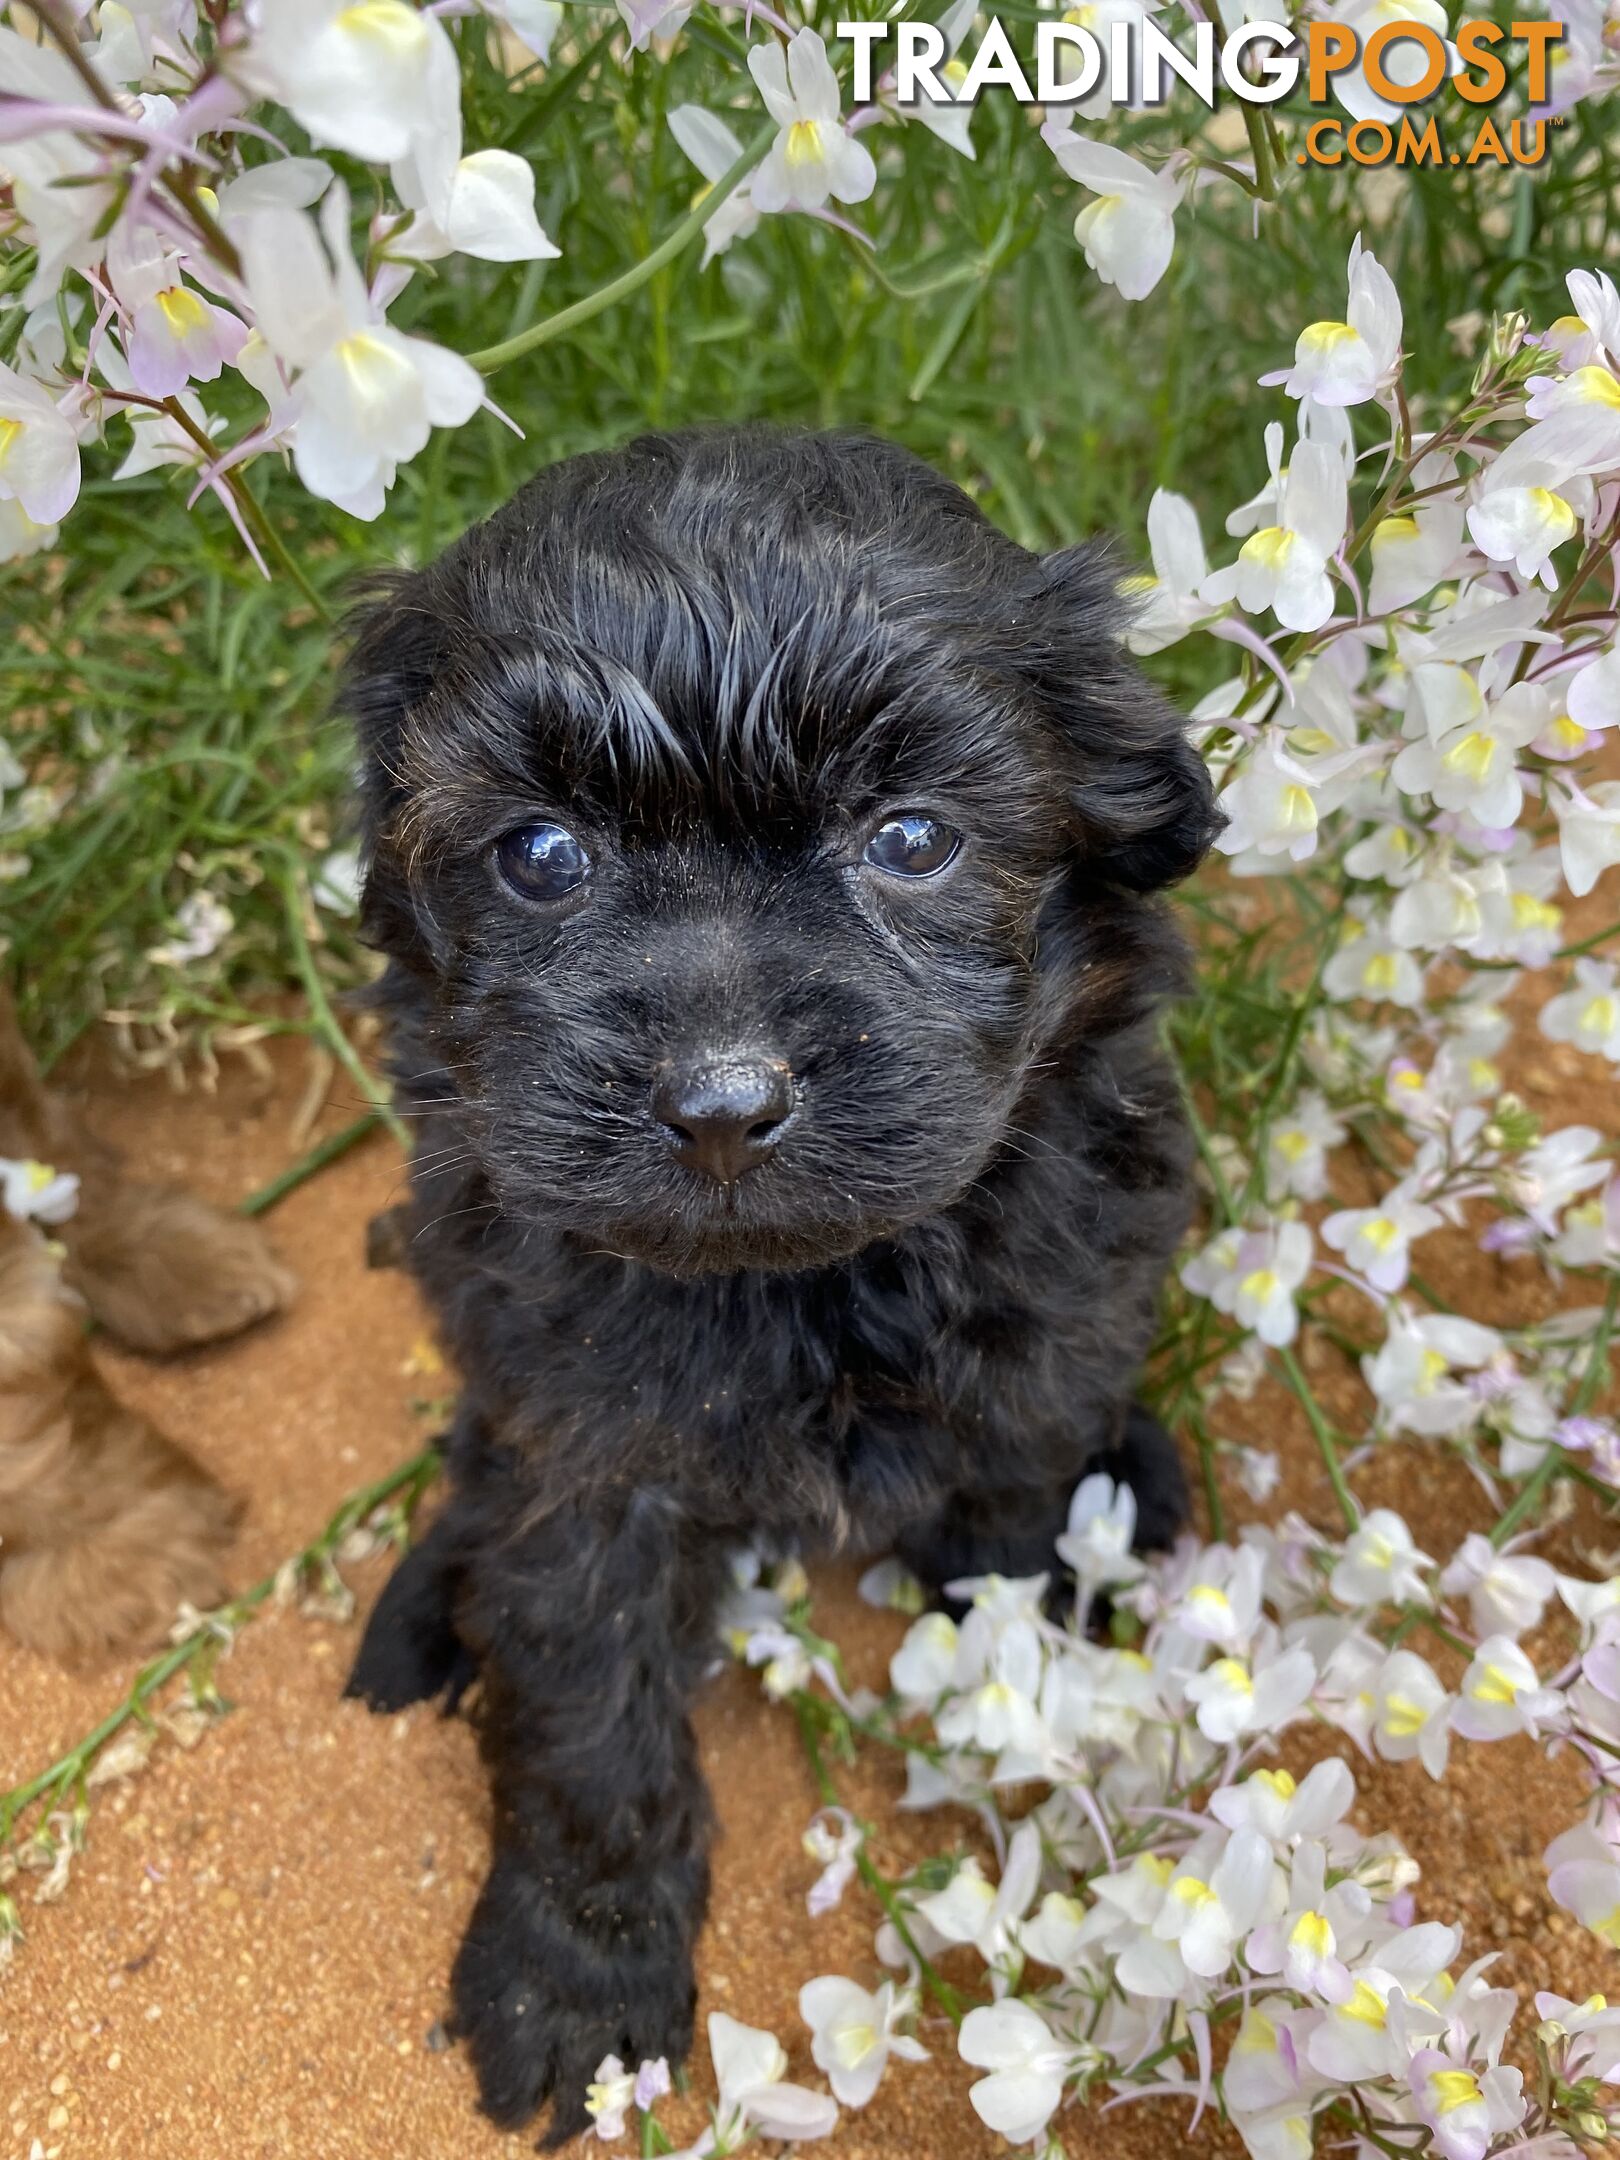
pixel 1142 794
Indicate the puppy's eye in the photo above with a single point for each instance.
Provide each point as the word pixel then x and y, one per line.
pixel 542 862
pixel 912 845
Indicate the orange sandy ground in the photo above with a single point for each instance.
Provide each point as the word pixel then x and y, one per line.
pixel 253 1950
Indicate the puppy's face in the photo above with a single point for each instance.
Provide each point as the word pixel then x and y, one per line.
pixel 720 802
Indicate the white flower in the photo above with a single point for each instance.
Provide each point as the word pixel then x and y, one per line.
pixel 833 1840
pixel 1588 1016
pixel 922 1667
pixel 1101 1531
pixel 1346 363
pixel 1234 1698
pixel 855 2033
pixel 1269 805
pixel 1588 831
pixel 1381 1565
pixel 1411 1713
pixel 1296 1150
pixel 1583 1875
pixel 1377 1241
pixel 1471 765
pixel 1507 1592
pixel 952 122
pixel 336 884
pixel 1522 526
pixel 357 77
pixel 1283 1809
pixel 1370 964
pixel 366 397
pixel 1411 1372
pixel 480 205
pixel 1284 566
pixel 173 335
pixel 1550 1174
pixel 813 156
pixel 1592 695
pixel 203 922
pixel 714 149
pixel 1027 2065
pixel 1501 1694
pixel 609 2097
pixel 1464 2110
pixel 1204 1915
pixel 1404 62
pixel 32 1191
pixel 1166 605
pixel 1129 233
pixel 1253 1275
pixel 1413 551
pixel 39 452
pixel 750 2066
pixel 971 1910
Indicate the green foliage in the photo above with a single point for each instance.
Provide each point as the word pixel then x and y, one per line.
pixel 175 704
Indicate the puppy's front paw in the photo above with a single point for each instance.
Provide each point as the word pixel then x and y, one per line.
pixel 410 1651
pixel 539 2003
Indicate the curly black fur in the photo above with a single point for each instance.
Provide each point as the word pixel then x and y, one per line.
pixel 719 659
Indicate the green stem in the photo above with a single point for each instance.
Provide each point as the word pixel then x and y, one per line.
pixel 1326 1445
pixel 674 243
pixel 324 1152
pixel 321 1007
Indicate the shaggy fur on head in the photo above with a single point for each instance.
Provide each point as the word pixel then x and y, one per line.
pixel 721 662
pixel 105 1525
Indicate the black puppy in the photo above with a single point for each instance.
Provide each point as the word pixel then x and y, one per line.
pixel 762 846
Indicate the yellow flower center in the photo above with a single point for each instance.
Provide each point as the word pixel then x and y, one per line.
pixel 1209 1594
pixel 1296 811
pixel 1134 587
pixel 1313 1934
pixel 853 2043
pixel 1473 757
pixel 374 369
pixel 1270 547
pixel 1393 531
pixel 9 431
pixel 1434 1368
pixel 1595 386
pixel 1323 337
pixel 1608 1928
pixel 399 29
pixel 1191 1891
pixel 1555 513
pixel 182 311
pixel 804 143
pixel 1256 2035
pixel 1380 974
pixel 1293 1145
pixel 1529 913
pixel 1453 2089
pixel 1494 1686
pixel 1380 1233
pixel 1232 1673
pixel 1568 734
pixel 1366 2006
pixel 1260 1284
pixel 1600 1016
pixel 1402 1717
pixel 1277 1781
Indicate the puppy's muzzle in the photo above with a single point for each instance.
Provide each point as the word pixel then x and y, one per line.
pixel 723 1114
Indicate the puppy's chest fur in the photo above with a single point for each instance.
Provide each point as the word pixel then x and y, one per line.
pixel 842 1401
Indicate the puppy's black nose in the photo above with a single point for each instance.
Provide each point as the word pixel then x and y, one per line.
pixel 722 1115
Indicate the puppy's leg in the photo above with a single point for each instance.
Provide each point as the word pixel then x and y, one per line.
pixel 410 1651
pixel 1015 1531
pixel 592 1630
